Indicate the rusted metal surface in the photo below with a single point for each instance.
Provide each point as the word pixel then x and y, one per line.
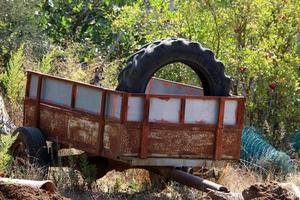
pixel 160 86
pixel 219 132
pixel 175 162
pixel 189 179
pixel 134 125
pixel 70 128
pixel 145 129
pixel 169 141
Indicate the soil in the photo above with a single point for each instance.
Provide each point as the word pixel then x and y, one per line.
pixel 269 191
pixel 272 190
pixel 17 192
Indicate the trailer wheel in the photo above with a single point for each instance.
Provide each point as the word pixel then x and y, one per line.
pixel 142 65
pixel 30 147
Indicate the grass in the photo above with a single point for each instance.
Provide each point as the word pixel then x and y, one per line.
pixel 135 183
pixel 5 159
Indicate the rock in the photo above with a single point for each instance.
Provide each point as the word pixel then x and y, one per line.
pixel 6 126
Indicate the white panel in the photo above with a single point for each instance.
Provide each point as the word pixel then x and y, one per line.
pixel 33 86
pixel 113 105
pixel 56 92
pixel 161 86
pixel 164 110
pixel 230 112
pixel 88 99
pixel 135 109
pixel 201 111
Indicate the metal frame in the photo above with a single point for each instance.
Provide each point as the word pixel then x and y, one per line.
pixel 145 125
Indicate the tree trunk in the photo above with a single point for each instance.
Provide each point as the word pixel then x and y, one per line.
pixel 6 126
pixel 171 5
pixel 147 5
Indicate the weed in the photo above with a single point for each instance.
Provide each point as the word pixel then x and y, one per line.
pixel 45 65
pixel 118 184
pixel 13 78
pixel 5 142
pixel 73 176
pixel 27 171
pixel 88 171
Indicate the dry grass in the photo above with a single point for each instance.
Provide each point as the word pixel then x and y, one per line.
pixel 135 184
pixel 238 179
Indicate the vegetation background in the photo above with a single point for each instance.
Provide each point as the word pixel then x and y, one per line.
pixel 257 40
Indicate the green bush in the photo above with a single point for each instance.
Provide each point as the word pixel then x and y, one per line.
pixel 255 39
pixel 13 78
pixel 5 158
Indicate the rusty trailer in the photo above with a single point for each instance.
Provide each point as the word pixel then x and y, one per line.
pixel 148 123
pixel 120 130
pixel 139 129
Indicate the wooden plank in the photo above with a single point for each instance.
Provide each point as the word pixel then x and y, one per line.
pixel 145 129
pixel 219 132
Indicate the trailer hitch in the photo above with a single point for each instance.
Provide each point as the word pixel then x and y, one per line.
pixel 188 179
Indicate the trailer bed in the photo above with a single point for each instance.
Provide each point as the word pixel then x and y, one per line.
pixel 140 129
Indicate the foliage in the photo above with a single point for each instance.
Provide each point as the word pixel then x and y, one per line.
pixel 18 25
pixel 256 40
pixel 45 65
pixel 73 176
pixel 13 78
pixel 5 143
pixel 88 170
pixel 87 22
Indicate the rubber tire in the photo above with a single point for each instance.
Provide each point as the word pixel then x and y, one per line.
pixel 142 65
pixel 35 143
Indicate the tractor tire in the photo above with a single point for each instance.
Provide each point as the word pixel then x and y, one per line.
pixel 142 65
pixel 30 147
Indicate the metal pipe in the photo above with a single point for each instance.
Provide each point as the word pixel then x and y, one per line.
pixel 189 179
pixel 46 185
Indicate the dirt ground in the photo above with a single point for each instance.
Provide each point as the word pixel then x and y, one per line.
pixel 270 191
pixel 16 192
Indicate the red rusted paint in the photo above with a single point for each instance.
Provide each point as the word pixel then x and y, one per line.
pixel 240 113
pixel 114 105
pixel 166 84
pixel 182 111
pixel 102 123
pixel 68 80
pixel 27 85
pixel 161 121
pixel 26 94
pixel 73 98
pixel 200 122
pixel 87 131
pixel 150 86
pixel 68 108
pixel 145 129
pixel 37 101
pixel 124 108
pixel 219 132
